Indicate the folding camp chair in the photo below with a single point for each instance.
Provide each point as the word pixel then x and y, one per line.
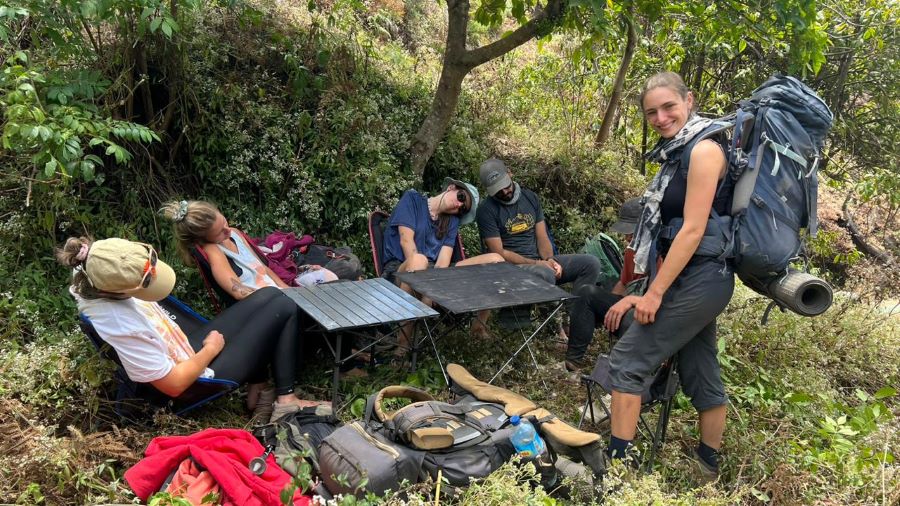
pixel 659 390
pixel 130 395
pixel 217 295
pixel 378 221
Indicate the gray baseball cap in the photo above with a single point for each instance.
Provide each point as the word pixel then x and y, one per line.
pixel 629 215
pixel 469 217
pixel 494 176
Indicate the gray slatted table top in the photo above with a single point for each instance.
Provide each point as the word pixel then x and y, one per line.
pixel 354 304
pixel 486 286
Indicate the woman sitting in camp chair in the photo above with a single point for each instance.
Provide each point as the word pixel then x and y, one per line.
pixel 421 234
pixel 200 224
pixel 117 284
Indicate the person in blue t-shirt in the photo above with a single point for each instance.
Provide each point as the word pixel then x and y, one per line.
pixel 421 234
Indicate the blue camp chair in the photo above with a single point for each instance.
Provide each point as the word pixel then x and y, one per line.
pixel 131 395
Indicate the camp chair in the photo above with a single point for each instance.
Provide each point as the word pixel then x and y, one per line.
pixel 378 221
pixel 659 390
pixel 130 394
pixel 217 295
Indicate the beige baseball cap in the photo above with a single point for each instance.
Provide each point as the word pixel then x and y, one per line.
pixel 130 268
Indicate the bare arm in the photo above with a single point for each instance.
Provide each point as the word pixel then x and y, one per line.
pixel 407 242
pixel 444 257
pixel 224 274
pixel 185 373
pixel 545 247
pixel 278 282
pixel 706 167
pixel 495 245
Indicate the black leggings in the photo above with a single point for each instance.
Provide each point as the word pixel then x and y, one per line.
pixel 260 330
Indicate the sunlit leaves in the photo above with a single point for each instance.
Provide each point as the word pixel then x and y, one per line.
pixel 50 118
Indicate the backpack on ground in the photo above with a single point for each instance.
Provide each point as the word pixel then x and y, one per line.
pixel 607 250
pixel 773 156
pixel 414 443
pixel 296 437
pixel 340 260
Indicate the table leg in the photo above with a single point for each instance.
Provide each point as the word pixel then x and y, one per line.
pixel 336 380
pixel 437 354
pixel 527 344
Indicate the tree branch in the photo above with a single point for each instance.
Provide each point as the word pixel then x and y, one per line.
pixel 859 240
pixel 540 24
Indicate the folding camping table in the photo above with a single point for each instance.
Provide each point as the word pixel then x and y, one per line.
pixel 350 306
pixel 469 289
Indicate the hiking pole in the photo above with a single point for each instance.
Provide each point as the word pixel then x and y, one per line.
pixel 437 491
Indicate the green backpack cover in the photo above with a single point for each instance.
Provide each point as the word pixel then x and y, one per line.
pixel 607 250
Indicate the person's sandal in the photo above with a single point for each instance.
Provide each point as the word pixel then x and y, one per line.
pixel 322 408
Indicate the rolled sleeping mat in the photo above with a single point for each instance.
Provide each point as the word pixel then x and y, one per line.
pixel 802 293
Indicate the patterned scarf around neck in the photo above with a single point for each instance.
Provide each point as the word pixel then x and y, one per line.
pixel 649 224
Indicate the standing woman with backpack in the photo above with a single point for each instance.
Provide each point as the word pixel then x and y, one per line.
pixel 677 314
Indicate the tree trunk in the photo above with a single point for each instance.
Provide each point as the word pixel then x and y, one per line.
pixel 618 85
pixel 458 61
pixel 446 97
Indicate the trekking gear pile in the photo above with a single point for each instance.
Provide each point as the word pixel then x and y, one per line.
pixel 463 440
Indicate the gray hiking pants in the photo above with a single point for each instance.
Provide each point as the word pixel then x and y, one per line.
pixel 685 324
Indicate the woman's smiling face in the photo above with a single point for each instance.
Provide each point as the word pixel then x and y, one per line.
pixel 666 110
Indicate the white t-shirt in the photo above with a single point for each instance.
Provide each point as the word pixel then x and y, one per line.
pixel 147 341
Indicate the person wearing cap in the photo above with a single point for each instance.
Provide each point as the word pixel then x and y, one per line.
pixel 117 284
pixel 614 305
pixel 511 224
pixel 422 231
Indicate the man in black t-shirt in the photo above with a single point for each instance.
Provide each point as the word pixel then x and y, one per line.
pixel 511 224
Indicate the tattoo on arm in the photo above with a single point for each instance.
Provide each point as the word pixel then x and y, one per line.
pixel 240 288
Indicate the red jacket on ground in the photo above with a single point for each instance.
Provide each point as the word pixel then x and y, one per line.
pixel 225 453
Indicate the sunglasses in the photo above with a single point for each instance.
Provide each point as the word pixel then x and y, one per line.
pixel 463 196
pixel 149 268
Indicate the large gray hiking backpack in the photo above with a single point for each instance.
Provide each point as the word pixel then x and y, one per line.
pixel 462 441
pixel 777 136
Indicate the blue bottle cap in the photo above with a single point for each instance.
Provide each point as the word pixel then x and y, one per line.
pixel 514 419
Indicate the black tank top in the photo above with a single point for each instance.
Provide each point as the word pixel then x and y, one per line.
pixel 672 205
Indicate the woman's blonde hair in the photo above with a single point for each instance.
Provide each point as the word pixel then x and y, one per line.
pixel 192 220
pixel 669 80
pixel 73 254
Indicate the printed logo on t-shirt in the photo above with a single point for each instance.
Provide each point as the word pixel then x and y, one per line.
pixel 179 349
pixel 520 223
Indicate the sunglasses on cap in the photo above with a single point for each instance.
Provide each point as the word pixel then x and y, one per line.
pixel 462 196
pixel 149 268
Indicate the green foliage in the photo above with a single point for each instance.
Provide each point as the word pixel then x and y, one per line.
pixel 300 119
pixel 51 116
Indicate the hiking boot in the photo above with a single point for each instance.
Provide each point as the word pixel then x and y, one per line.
pixel 578 365
pixel 707 473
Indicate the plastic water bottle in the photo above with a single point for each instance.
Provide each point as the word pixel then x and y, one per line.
pixel 525 439
pixel 531 447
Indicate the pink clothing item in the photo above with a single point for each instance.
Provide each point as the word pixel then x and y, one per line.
pixel 277 247
pixel 225 454
pixel 190 483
